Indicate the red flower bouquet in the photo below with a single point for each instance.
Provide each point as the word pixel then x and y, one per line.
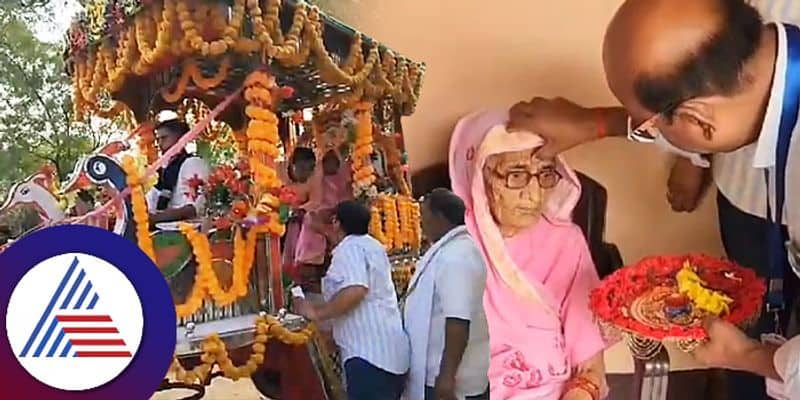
pixel 229 198
pixel 644 300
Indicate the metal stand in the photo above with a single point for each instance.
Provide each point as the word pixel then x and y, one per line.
pixel 651 377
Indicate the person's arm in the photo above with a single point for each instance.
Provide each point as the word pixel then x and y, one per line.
pixel 687 184
pixel 174 214
pixel 314 189
pixel 456 336
pixel 342 303
pixel 760 361
pixel 615 119
pixel 729 348
pixel 564 124
pixel 349 270
pixel 282 168
pixel 459 285
pixel 582 336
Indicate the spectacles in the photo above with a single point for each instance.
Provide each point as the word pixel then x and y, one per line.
pixel 547 178
pixel 646 132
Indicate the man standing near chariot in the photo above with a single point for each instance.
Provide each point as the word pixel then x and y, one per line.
pixel 171 199
pixel 361 302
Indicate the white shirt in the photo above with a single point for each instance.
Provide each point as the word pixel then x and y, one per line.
pixel 459 282
pixel 787 365
pixel 372 331
pixel 764 151
pixel 182 194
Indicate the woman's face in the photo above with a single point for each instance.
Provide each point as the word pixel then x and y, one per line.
pixel 514 187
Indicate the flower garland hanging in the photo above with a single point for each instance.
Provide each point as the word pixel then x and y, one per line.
pixel 114 40
pixel 395 222
pixel 404 211
pixel 392 223
pixel 206 281
pixel 215 352
pixel 139 205
pixel 361 161
pixel 376 224
pixel 146 140
pixel 263 141
pixel 415 241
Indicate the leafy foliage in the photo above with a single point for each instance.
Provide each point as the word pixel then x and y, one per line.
pixel 36 98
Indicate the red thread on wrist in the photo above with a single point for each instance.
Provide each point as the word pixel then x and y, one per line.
pixel 601 124
pixel 584 384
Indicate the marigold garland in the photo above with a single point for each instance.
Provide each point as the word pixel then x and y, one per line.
pixel 168 30
pixel 206 282
pixel 139 205
pixel 146 141
pixel 361 161
pixel 395 222
pixel 262 145
pixel 215 352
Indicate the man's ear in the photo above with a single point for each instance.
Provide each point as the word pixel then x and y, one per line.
pixel 698 115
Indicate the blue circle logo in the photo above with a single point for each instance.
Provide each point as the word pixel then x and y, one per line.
pixel 87 316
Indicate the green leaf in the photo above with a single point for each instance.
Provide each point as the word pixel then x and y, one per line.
pixel 36 105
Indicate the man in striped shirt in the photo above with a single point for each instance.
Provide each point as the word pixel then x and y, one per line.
pixel 361 303
pixel 711 77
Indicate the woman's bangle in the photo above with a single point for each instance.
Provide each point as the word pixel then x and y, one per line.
pixel 582 383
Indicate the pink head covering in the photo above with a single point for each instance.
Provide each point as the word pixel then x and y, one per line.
pixel 475 138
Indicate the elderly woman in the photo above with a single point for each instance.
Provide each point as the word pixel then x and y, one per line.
pixel 543 339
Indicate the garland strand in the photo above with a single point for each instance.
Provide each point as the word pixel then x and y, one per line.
pixel 215 353
pixel 139 205
pixel 206 282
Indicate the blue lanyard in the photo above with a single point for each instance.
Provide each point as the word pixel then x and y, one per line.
pixel 778 257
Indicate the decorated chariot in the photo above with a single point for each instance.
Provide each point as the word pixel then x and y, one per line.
pixel 254 79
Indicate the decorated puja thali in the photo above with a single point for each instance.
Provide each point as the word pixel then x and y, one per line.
pixel 665 299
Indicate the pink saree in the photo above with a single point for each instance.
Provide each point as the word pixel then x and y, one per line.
pixel 538 282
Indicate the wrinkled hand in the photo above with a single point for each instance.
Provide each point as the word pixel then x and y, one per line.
pixel 445 388
pixel 727 346
pixel 305 308
pixel 686 185
pixel 562 123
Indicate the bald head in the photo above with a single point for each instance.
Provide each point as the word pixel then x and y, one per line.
pixel 661 52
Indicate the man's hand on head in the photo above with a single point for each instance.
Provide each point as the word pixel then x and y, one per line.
pixel 562 123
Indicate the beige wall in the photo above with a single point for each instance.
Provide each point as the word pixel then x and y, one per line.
pixel 492 53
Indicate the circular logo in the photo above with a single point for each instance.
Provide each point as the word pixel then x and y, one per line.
pixel 80 326
pixel 76 300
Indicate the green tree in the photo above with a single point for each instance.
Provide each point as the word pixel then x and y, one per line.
pixel 36 98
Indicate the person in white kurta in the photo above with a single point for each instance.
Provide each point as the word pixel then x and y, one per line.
pixel 173 199
pixel 443 310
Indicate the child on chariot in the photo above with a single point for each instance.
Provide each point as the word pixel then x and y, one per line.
pixel 297 176
pixel 328 186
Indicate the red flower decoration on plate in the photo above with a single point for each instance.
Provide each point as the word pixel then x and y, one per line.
pixel 611 301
